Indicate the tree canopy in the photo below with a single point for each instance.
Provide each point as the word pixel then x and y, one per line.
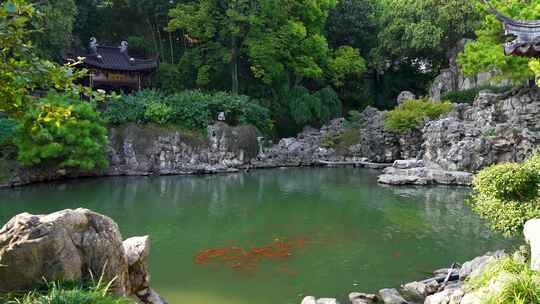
pixel 486 52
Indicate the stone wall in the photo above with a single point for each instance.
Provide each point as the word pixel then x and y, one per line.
pixel 136 150
pixel 152 150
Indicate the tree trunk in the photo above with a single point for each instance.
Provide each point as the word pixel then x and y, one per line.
pixel 234 66
pixel 171 46
pixel 156 48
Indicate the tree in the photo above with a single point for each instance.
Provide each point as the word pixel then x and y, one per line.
pixel 53 24
pixel 486 53
pixel 281 41
pixel 22 73
pixel 353 23
pixel 424 29
pixel 222 27
pixel 60 129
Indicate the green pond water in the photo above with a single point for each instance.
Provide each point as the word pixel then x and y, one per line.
pixel 346 233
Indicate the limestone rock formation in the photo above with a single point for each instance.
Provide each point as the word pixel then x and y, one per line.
pixel 363 298
pixel 452 78
pixel 136 150
pixel 405 95
pixel 407 172
pixel 531 232
pixel 391 296
pixel 68 245
pixel 73 245
pixel 495 129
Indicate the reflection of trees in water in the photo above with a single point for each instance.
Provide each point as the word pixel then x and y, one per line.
pixel 445 210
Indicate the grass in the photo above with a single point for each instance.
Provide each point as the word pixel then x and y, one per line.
pixel 68 293
pixel 521 287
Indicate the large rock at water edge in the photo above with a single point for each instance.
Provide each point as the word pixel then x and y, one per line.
pixel 391 296
pixel 531 232
pixel 66 245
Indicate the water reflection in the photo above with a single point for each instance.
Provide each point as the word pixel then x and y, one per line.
pixel 355 231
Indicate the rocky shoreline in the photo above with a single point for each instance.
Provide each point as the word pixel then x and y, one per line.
pixel 494 129
pixel 446 286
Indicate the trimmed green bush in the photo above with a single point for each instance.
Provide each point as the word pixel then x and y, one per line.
pixel 412 113
pixel 510 181
pixel 468 96
pixel 192 110
pixel 507 195
pixel 60 131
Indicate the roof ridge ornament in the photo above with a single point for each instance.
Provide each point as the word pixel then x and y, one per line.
pixel 123 46
pixel 93 45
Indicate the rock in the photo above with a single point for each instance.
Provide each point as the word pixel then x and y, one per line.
pixel 452 294
pixel 477 265
pixel 362 298
pixel 405 95
pixel 494 129
pixel 66 245
pixel 493 287
pixel 408 164
pixel 327 301
pixel 452 78
pixel 73 245
pixel 422 289
pixel 424 176
pixel 309 300
pixel 391 296
pixel 531 231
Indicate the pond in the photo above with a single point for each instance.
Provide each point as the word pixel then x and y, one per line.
pixel 272 236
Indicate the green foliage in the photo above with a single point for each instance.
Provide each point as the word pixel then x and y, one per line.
pixel 68 293
pixel 53 24
pixel 509 181
pixel 342 141
pixel 22 73
pixel 192 110
pixel 157 112
pixel 486 53
pixel 7 130
pixel 354 120
pixel 276 41
pixel 346 61
pixel 521 285
pixel 468 96
pixel 424 28
pixel 412 113
pixel 315 109
pixel 506 195
pixel 62 131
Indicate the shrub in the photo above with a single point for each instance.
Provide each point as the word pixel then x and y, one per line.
pixel 192 110
pixel 506 195
pixel 509 181
pixel 60 131
pixel 521 285
pixel 7 130
pixel 468 96
pixel 412 113
pixel 341 142
pixel 354 120
pixel 157 112
pixel 314 109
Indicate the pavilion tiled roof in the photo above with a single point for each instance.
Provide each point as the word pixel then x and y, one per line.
pixel 525 35
pixel 112 58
